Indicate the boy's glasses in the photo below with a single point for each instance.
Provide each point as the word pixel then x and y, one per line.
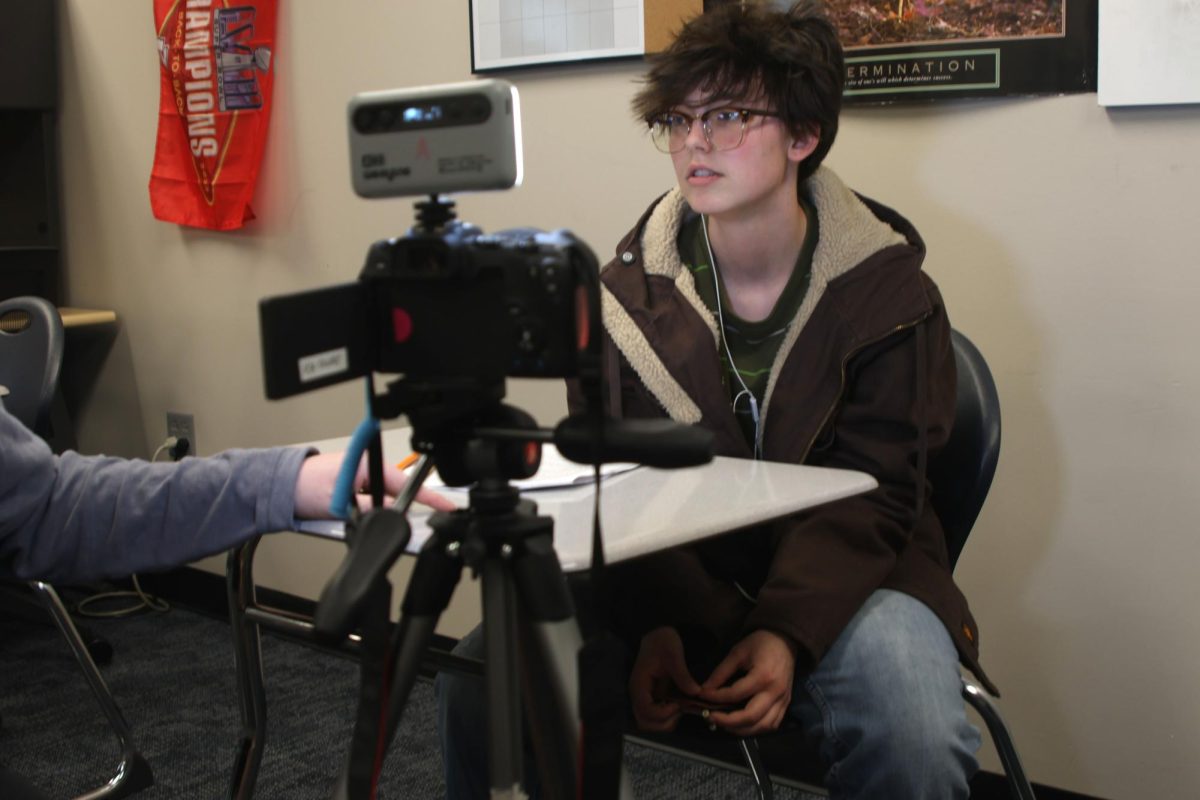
pixel 724 128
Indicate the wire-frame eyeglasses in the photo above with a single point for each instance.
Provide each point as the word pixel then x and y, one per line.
pixel 724 128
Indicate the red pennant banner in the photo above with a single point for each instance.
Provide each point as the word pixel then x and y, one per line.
pixel 214 104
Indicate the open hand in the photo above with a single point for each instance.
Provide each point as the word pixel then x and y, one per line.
pixel 318 474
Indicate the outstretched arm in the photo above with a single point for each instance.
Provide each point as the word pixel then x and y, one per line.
pixel 78 518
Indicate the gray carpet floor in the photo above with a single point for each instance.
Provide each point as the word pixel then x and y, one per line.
pixel 173 676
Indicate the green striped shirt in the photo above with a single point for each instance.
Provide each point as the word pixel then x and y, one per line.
pixel 753 344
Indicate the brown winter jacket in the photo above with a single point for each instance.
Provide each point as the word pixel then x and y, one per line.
pixel 842 393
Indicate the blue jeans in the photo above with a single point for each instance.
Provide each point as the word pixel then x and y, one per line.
pixel 462 728
pixel 884 707
pixel 884 710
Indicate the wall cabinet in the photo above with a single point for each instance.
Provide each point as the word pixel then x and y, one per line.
pixel 30 236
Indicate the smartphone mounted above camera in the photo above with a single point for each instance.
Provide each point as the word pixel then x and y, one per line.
pixel 435 140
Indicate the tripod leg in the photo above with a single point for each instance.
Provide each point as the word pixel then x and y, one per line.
pixel 550 643
pixel 502 680
pixel 366 755
pixel 432 583
pixel 437 572
pixel 551 649
pixel 550 691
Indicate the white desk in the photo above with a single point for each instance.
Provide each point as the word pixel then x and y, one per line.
pixel 642 511
pixel 647 509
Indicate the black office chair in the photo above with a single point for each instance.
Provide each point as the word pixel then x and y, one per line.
pixel 31 348
pixel 961 476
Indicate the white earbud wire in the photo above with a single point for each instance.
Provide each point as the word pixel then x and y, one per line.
pixel 712 260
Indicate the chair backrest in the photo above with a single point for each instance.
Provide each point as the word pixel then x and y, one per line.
pixel 31 347
pixel 962 472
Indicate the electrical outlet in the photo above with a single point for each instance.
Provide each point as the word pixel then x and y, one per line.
pixel 183 426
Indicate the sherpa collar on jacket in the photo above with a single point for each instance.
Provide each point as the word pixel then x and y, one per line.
pixel 851 232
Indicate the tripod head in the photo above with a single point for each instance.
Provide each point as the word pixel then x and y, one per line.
pixel 477 441
pixel 463 457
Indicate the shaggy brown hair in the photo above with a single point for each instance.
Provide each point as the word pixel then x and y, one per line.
pixel 792 59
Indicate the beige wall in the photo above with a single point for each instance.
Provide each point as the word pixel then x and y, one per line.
pixel 1061 234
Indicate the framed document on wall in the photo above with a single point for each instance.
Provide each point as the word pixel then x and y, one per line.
pixel 511 34
pixel 521 33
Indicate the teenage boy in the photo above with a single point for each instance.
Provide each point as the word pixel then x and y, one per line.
pixel 769 303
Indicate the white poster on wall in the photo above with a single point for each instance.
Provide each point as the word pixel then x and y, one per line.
pixel 524 33
pixel 1149 52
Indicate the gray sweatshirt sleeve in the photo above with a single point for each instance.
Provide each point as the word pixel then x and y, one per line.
pixel 77 518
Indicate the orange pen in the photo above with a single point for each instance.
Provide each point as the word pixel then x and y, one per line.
pixel 408 461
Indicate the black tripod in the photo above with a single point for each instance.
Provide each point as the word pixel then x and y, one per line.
pixel 528 617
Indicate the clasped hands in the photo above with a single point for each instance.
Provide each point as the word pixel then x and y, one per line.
pixel 661 687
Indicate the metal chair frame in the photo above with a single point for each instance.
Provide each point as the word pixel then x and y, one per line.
pixel 31 340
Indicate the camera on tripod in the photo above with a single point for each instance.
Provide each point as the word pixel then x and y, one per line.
pixel 445 306
pixel 444 303
pixel 448 312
